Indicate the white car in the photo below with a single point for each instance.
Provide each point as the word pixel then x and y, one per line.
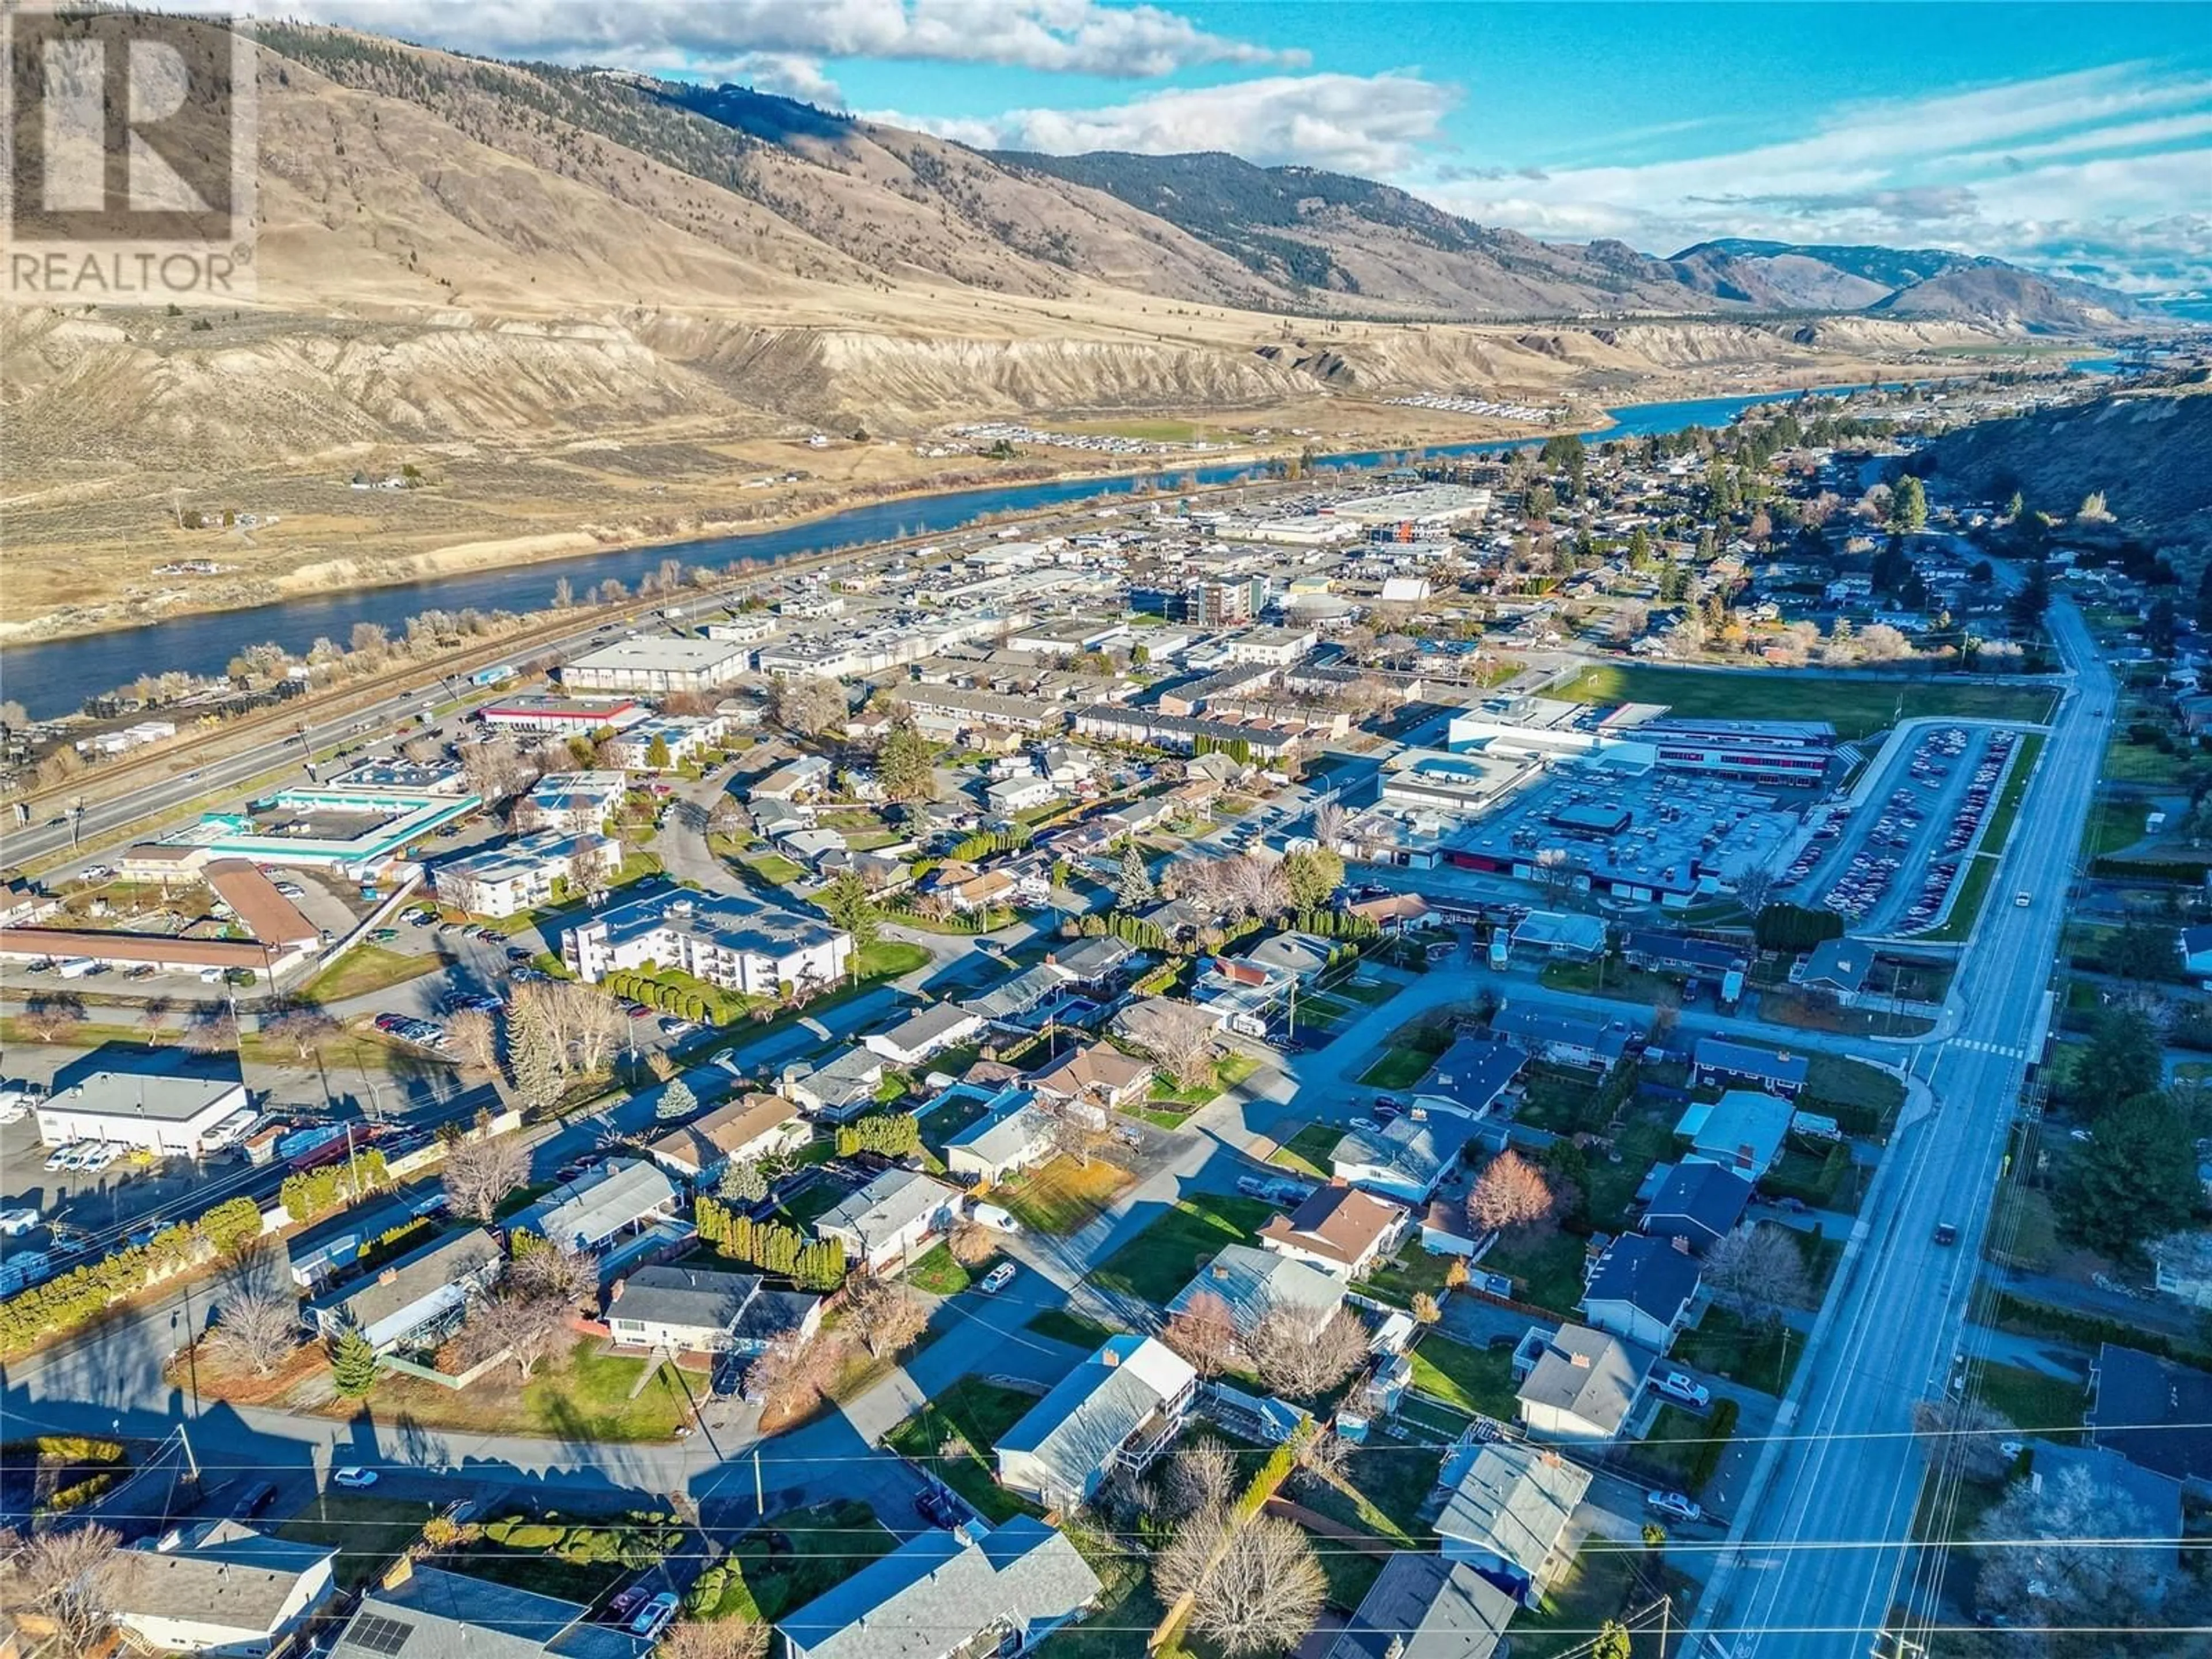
pixel 997 1220
pixel 1367 1125
pixel 58 1159
pixel 998 1279
pixel 653 1617
pixel 14 1223
pixel 100 1157
pixel 2022 900
pixel 1674 1505
pixel 1680 1385
pixel 353 1478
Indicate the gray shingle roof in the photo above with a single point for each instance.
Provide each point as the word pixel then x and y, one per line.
pixel 1099 1405
pixel 1589 1373
pixel 938 1591
pixel 597 1206
pixel 1431 1607
pixel 1514 1500
pixel 232 1576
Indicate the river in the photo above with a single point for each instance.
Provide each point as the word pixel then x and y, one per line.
pixel 55 677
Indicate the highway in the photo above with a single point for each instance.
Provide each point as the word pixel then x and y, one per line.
pixel 1820 1553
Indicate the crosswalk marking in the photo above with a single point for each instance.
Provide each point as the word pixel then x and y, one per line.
pixel 1979 1046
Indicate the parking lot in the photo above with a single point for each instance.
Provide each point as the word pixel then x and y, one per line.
pixel 1888 865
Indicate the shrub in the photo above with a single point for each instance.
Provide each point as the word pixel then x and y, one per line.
pixel 1718 1427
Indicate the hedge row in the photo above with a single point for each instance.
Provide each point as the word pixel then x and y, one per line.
pixel 2021 1313
pixel 1718 1427
pixel 70 1299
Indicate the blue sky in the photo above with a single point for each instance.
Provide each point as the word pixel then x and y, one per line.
pixel 2074 138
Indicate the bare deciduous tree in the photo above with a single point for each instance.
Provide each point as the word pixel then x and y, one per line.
pixel 1204 1333
pixel 790 1373
pixel 1181 1042
pixel 1758 1273
pixel 1079 1135
pixel 2069 1555
pixel 305 1030
pixel 1511 1191
pixel 1301 1360
pixel 516 1324
pixel 1321 1460
pixel 51 1015
pixel 212 1031
pixel 567 1277
pixel 1331 825
pixel 1754 887
pixel 887 1317
pixel 256 1328
pixel 1966 1432
pixel 68 1575
pixel 718 1639
pixel 476 1039
pixel 1256 1586
pixel 809 706
pixel 480 1174
pixel 1200 1479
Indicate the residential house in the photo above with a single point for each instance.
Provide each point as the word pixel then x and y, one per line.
pixel 522 874
pixel 571 803
pixel 415 1301
pixel 1742 1131
pixel 1393 913
pixel 1423 1607
pixel 1146 1019
pixel 973 1591
pixel 1658 952
pixel 1008 796
pixel 1097 965
pixel 840 1088
pixel 1697 1202
pixel 1717 1059
pixel 796 780
pixel 427 1611
pixel 1471 1077
pixel 1642 1289
pixel 1095 1080
pixel 1013 1133
pixel 2155 1412
pixel 1252 1283
pixel 925 1032
pixel 1509 1514
pixel 1569 935
pixel 690 1310
pixel 2197 952
pixel 686 736
pixel 1565 1039
pixel 1405 1159
pixel 1837 966
pixel 1577 1383
pixel 593 1210
pixel 1301 957
pixel 220 1588
pixel 890 1221
pixel 1023 1002
pixel 741 1131
pixel 739 942
pixel 1339 1228
pixel 1118 1410
pixel 2182 1268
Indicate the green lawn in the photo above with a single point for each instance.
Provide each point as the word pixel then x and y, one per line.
pixel 1405 1063
pixel 1675 1444
pixel 1399 1281
pixel 939 1274
pixel 1721 1343
pixel 1966 907
pixel 952 1437
pixel 1851 1083
pixel 1073 1328
pixel 368 968
pixel 1063 1196
pixel 2142 762
pixel 809 1204
pixel 2025 754
pixel 1232 1069
pixel 589 1399
pixel 1161 1259
pixel 367 1531
pixel 791 1561
pixel 1307 1151
pixel 1609 978
pixel 1854 707
pixel 1547 1262
pixel 773 867
pixel 1605 1581
pixel 1473 1379
pixel 538 1571
pixel 1561 1100
pixel 2028 1398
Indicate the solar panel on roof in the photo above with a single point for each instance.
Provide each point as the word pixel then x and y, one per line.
pixel 377 1634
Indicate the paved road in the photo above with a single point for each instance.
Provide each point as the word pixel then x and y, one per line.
pixel 1822 1555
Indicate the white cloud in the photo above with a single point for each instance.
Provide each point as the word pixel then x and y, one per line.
pixel 2023 171
pixel 1364 123
pixel 789 73
pixel 1067 36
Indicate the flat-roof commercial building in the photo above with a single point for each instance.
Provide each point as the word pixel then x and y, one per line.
pixel 160 1111
pixel 357 832
pixel 576 802
pixel 658 663
pixel 741 944
pixel 563 716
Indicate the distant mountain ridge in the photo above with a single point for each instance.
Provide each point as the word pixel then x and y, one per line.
pixel 1923 283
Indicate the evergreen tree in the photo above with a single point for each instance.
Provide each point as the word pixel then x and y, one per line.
pixel 847 901
pixel 1135 886
pixel 353 1365
pixel 1639 548
pixel 656 753
pixel 743 1182
pixel 1908 506
pixel 676 1101
pixel 905 765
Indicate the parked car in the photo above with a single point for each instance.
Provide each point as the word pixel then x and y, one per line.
pixel 997 1220
pixel 62 1158
pixel 1674 1505
pixel 998 1279
pixel 353 1478
pixel 654 1616
pixel 257 1497
pixel 14 1223
pixel 1680 1385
